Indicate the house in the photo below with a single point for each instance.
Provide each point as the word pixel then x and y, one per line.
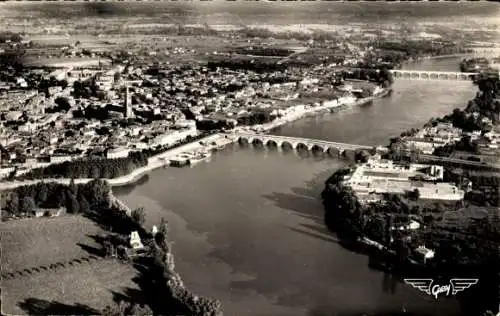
pixel 424 253
pixel 413 225
pixel 49 212
pixel 113 153
pixel 135 241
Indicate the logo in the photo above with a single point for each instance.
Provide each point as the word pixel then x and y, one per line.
pixel 429 287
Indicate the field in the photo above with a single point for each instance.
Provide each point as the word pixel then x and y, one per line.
pixel 51 292
pixel 34 242
pixel 40 243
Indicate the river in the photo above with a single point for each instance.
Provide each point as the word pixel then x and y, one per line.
pixel 248 228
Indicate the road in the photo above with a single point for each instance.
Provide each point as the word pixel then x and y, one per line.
pixel 460 161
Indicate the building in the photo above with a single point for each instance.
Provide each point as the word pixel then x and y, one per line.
pixel 424 253
pixel 370 181
pixel 135 241
pixel 172 137
pixel 128 111
pixel 60 158
pixel 114 153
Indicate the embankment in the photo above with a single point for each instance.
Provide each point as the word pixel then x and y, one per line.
pixel 154 162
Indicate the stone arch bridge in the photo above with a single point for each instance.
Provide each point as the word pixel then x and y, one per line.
pixel 403 74
pixel 432 75
pixel 297 142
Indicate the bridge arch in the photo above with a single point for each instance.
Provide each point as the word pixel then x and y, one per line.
pixel 243 140
pixel 302 146
pixel 271 143
pixel 316 148
pixel 334 151
pixel 415 75
pixel 257 141
pixel 287 144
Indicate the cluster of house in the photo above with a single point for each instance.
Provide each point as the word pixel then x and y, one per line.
pixel 428 139
pixel 375 178
pixel 150 96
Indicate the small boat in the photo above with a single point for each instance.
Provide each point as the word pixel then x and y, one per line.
pixel 198 157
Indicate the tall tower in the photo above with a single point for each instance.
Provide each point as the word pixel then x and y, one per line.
pixel 128 104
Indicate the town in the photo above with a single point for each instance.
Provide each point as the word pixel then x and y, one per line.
pixel 83 117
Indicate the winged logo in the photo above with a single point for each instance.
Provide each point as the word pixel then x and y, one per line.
pixel 423 285
pixel 459 285
pixel 429 287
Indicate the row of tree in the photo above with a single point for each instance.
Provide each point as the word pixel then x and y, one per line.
pixel 91 168
pixel 256 117
pixel 49 195
pixel 380 76
pixel 417 48
pixel 263 51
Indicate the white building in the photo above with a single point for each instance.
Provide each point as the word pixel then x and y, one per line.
pixel 426 146
pixel 172 137
pixel 135 240
pixel 425 253
pixel 413 225
pixel 60 158
pixel 120 152
pixel 190 124
pixel 370 181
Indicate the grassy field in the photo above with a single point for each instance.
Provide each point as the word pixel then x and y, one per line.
pixel 90 285
pixel 40 242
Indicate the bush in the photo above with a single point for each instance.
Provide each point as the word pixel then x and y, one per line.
pixel 139 216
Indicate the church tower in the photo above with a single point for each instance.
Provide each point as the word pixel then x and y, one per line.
pixel 128 104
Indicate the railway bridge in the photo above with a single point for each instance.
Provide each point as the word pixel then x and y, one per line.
pixel 298 143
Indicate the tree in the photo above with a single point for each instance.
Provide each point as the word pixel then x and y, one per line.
pixel 109 248
pixel 139 216
pixel 42 193
pixel 72 187
pixel 72 204
pixel 27 205
pixel 97 191
pixel 14 203
pixel 117 309
pixel 84 204
pixel 163 226
pixel 61 198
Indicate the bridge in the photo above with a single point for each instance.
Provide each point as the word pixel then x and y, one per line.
pixel 298 143
pixel 403 74
pixel 432 75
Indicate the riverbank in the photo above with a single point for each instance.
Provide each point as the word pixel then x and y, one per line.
pixel 313 111
pixel 173 281
pixel 210 142
pixel 155 162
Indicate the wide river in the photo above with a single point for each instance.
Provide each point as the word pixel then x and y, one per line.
pixel 247 226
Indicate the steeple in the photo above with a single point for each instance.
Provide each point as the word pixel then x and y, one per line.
pixel 128 103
